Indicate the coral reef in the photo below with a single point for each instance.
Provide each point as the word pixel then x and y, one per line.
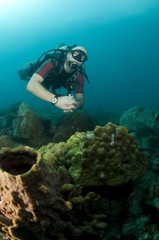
pixel 106 156
pixel 96 185
pixel 41 191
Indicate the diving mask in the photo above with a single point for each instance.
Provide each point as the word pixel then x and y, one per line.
pixel 79 55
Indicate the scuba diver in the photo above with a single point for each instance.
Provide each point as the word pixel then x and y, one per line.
pixel 62 68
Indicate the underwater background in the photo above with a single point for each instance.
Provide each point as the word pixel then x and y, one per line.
pixel 121 38
pixel 92 173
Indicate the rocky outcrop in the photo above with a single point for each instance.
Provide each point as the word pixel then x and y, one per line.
pixel 29 127
pixel 144 124
pixel 3 121
pixel 7 142
pixel 68 124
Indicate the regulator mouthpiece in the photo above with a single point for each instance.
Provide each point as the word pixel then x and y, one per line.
pixel 73 65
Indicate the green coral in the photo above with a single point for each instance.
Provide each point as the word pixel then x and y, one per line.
pixel 106 156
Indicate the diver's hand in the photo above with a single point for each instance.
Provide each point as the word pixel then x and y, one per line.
pixel 77 105
pixel 66 103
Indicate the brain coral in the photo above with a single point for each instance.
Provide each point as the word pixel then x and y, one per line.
pixel 106 156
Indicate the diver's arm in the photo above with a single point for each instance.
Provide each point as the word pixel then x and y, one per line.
pixel 66 103
pixel 35 87
pixel 79 100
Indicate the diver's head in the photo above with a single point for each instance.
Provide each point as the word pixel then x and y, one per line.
pixel 79 54
pixel 76 57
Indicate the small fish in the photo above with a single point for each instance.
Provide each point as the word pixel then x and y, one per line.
pixel 125 129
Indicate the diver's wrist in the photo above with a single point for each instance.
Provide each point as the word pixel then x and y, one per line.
pixel 54 100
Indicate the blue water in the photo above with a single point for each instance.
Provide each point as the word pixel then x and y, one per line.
pixel 121 36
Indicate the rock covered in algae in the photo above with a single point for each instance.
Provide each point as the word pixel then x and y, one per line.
pixel 7 141
pixel 69 124
pixel 106 156
pixel 30 127
pixel 144 124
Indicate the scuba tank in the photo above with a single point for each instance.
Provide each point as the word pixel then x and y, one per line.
pixel 27 70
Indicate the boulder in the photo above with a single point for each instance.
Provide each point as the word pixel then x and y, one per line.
pixel 144 124
pixel 3 121
pixel 29 127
